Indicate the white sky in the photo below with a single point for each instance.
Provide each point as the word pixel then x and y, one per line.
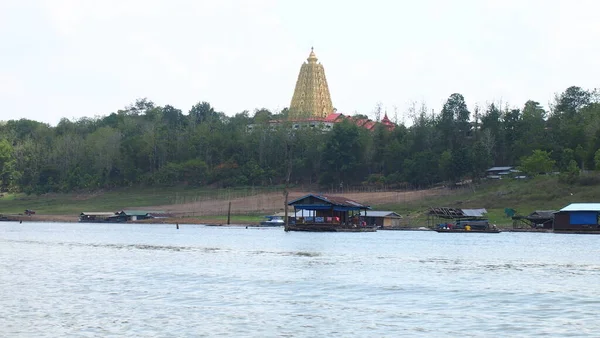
pixel 76 58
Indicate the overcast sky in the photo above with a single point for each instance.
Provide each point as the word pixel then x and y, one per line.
pixel 76 58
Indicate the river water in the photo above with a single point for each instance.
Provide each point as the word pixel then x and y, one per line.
pixel 145 280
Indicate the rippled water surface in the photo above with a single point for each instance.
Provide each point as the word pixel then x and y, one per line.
pixel 115 280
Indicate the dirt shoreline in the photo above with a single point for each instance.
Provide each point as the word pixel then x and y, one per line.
pixel 212 211
pixel 75 219
pixel 41 218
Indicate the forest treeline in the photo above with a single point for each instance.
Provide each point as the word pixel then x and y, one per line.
pixel 146 144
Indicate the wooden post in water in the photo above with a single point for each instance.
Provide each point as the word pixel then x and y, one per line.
pixel 229 214
pixel 287 221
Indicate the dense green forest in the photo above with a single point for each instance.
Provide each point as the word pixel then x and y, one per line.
pixel 145 144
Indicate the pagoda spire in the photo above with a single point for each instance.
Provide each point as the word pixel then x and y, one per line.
pixel 311 97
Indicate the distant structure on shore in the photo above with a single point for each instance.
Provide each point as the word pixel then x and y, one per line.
pixel 311 97
pixel 311 105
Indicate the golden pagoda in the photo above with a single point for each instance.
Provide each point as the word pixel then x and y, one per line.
pixel 311 97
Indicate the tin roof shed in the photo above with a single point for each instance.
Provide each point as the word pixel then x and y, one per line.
pixel 582 207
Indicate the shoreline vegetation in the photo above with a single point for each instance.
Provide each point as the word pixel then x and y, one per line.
pixel 250 205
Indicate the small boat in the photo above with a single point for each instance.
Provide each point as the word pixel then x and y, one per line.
pixel 273 221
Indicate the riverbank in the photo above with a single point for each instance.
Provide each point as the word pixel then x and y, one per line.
pixel 171 220
pixel 250 205
pixel 40 218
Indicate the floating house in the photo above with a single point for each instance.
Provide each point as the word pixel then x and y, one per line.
pixel 138 215
pixel 99 217
pixel 120 216
pixel 578 218
pixel 457 218
pixel 329 213
pixel 383 219
pixel 539 219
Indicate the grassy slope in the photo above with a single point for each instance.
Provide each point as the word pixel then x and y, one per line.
pixel 542 193
pixel 525 196
pixel 114 200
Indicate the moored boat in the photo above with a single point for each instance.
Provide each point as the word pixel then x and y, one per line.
pixel 273 221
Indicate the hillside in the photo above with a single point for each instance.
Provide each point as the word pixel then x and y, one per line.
pixel 248 205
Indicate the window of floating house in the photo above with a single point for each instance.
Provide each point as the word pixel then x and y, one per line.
pixel 583 217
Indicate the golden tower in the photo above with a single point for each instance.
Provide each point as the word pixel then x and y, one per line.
pixel 311 96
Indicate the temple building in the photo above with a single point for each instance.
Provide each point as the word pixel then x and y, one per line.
pixel 311 97
pixel 311 104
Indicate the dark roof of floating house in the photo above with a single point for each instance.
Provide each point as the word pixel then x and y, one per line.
pixel 581 207
pixel 326 202
pixel 456 213
pixel 541 214
pixel 139 212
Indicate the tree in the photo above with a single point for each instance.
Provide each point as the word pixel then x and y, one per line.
pixel 572 100
pixel 342 154
pixel 454 122
pixel 140 106
pixel 597 159
pixel 570 174
pixel 6 164
pixel 512 134
pixel 567 156
pixel 492 133
pixel 202 112
pixel 445 165
pixel 360 117
pixel 262 115
pixel 580 154
pixel 172 117
pixel 461 164
pixel 531 128
pixel 481 158
pixel 537 163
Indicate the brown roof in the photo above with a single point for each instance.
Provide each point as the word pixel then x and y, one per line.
pixel 333 116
